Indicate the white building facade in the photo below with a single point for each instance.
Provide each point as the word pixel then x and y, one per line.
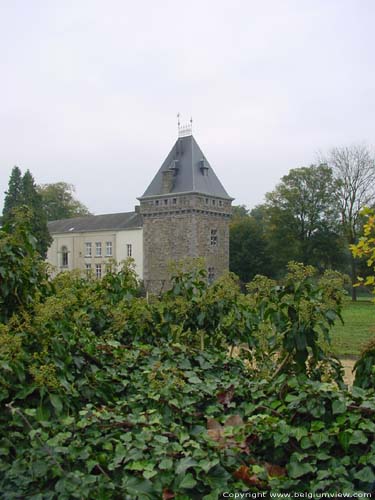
pixel 91 243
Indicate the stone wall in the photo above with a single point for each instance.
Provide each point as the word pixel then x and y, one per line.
pixel 180 226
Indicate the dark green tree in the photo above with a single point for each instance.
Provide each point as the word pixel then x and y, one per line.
pixel 302 219
pixel 59 201
pixel 32 199
pixel 249 253
pixel 23 274
pixel 13 197
pixel 22 192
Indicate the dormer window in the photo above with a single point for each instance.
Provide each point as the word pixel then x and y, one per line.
pixel 203 166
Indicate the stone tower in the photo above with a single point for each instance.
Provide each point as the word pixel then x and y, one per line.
pixel 186 213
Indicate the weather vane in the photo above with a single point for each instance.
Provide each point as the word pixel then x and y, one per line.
pixel 184 130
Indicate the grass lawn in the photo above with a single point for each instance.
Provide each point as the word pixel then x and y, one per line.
pixel 359 327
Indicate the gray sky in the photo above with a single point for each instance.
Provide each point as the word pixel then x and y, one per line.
pixel 90 89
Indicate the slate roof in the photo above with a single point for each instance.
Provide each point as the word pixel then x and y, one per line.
pixel 191 175
pixel 106 222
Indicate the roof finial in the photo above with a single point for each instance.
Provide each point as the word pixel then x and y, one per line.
pixel 184 130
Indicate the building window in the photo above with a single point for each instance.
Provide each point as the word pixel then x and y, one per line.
pixel 108 249
pixel 129 250
pixel 211 274
pixel 64 257
pixel 220 203
pixel 88 249
pixel 206 200
pixel 157 202
pixel 174 201
pixel 98 270
pixel 98 249
pixel 88 270
pixel 165 202
pixel 213 237
pixel 213 202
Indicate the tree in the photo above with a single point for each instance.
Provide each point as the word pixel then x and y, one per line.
pixel 22 191
pixel 33 200
pixel 248 250
pixel 59 201
pixel 23 274
pixel 303 218
pixel 13 197
pixel 365 247
pixel 354 169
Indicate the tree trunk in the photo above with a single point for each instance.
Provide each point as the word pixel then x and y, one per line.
pixel 353 277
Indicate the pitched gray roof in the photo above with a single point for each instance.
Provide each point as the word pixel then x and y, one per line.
pixel 191 174
pixel 106 222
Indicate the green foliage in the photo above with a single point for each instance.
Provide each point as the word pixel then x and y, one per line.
pixel 13 197
pixel 59 201
pixel 22 191
pixel 111 395
pixel 23 275
pixel 293 315
pixel 303 218
pixel 248 252
pixel 38 221
pixel 365 367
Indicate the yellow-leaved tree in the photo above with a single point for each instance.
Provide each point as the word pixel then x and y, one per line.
pixel 365 366
pixel 366 246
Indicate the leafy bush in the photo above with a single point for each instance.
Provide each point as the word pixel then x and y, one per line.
pixel 293 316
pixel 145 421
pixel 365 367
pixel 109 395
pixel 23 274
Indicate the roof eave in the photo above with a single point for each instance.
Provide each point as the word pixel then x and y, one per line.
pixel 171 195
pixel 79 231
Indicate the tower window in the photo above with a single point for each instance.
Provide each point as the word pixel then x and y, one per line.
pixel 64 257
pixel 211 274
pixel 213 237
pixel 98 249
pixel 129 250
pixel 88 249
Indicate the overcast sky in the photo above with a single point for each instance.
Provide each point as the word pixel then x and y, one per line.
pixel 90 89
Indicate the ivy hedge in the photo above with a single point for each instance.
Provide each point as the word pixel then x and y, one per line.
pixel 108 395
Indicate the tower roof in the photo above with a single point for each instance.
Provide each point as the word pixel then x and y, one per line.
pixel 189 171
